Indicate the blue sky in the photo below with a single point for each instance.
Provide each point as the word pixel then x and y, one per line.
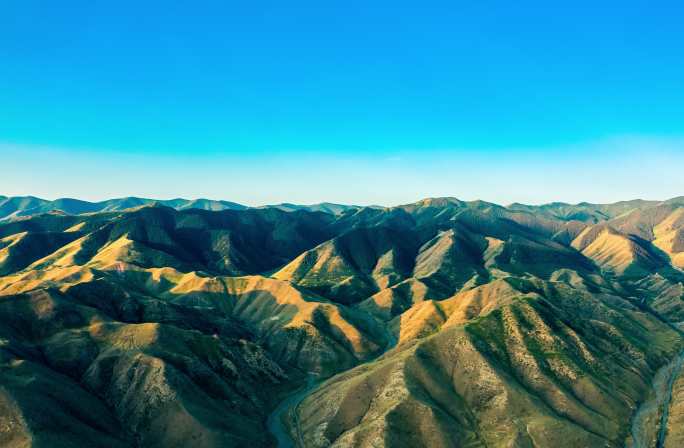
pixel 355 101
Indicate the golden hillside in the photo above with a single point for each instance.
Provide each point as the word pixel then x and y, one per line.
pixel 439 323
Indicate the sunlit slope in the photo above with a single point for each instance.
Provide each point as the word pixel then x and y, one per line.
pixel 505 326
pixel 176 343
pixel 458 260
pixel 669 237
pixel 115 321
pixel 300 329
pixel 224 242
pixel 77 374
pixel 617 252
pixel 560 367
pixel 354 265
pixel 20 250
pixel 389 268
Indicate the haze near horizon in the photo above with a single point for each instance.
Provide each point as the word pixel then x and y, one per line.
pixel 348 103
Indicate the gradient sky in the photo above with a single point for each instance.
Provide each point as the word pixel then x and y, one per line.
pixel 355 101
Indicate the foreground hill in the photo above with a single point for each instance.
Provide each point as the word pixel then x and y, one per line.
pixel 439 323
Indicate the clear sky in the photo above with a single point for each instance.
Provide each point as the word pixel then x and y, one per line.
pixel 355 101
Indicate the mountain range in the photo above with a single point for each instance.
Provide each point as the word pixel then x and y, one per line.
pixel 440 323
pixel 21 206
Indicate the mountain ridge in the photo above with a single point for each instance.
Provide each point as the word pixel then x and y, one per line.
pixel 436 323
pixel 21 206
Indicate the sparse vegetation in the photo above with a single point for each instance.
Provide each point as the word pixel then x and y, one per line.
pixel 439 323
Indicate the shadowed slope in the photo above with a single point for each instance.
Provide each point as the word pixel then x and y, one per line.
pixel 163 383
pixel 354 265
pixel 513 327
pixel 526 373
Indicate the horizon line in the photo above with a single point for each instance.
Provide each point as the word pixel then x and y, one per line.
pixel 271 204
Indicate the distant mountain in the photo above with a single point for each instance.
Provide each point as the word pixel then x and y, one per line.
pixel 326 207
pixel 440 323
pixel 585 211
pixel 22 206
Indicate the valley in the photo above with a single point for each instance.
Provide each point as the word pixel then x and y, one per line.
pixel 438 323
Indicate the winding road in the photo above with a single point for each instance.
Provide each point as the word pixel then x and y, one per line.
pixel 650 419
pixel 275 423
